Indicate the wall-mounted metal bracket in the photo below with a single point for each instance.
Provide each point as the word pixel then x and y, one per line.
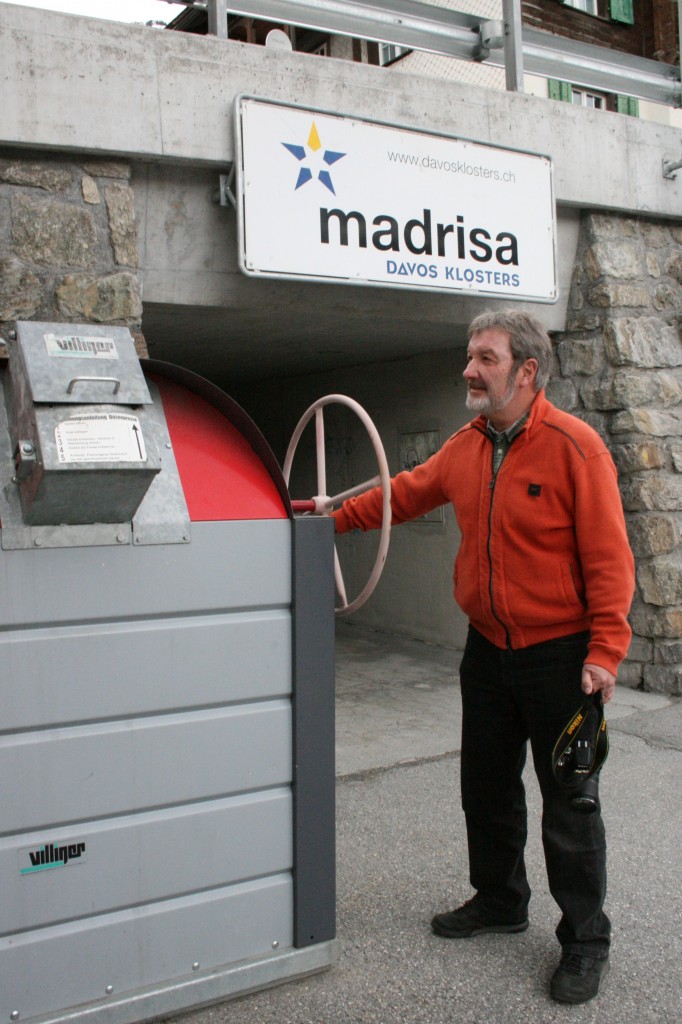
pixel 226 195
pixel 670 167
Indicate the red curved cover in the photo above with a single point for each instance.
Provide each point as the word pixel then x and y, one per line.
pixel 222 477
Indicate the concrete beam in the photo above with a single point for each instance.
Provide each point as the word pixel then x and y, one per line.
pixel 72 83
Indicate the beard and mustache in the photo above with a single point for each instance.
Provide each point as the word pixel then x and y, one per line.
pixel 493 400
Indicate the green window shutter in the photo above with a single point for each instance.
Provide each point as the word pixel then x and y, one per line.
pixel 627 105
pixel 557 90
pixel 622 10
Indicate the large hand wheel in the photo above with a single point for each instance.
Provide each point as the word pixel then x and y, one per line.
pixel 322 504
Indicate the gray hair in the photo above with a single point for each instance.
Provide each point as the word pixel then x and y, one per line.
pixel 527 336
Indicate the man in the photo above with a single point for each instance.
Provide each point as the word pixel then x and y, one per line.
pixel 545 575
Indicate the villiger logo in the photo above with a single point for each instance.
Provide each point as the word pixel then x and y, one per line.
pixel 311 157
pixel 50 855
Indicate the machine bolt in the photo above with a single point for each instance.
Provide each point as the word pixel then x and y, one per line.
pixel 109 989
pixel 195 965
pixel 168 444
pixel 14 1015
pixel 38 542
pixel 27 448
pixel 13 337
pixel 120 537
pixel 275 944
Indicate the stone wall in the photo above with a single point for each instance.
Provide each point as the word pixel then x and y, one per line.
pixel 68 242
pixel 620 368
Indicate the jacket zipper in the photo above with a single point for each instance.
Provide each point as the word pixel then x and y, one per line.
pixel 491 486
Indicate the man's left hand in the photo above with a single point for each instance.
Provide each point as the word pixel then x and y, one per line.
pixel 597 678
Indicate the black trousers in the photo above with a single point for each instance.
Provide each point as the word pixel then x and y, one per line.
pixel 508 698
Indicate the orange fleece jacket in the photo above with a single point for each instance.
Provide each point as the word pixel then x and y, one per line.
pixel 544 549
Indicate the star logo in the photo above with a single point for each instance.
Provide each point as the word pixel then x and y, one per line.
pixel 314 156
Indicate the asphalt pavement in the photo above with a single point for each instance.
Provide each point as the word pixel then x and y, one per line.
pixel 401 852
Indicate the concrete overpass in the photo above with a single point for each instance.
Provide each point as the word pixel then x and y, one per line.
pixel 165 100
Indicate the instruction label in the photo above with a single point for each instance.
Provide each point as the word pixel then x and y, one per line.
pixel 80 345
pixel 100 437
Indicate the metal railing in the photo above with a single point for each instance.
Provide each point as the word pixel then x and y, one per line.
pixel 504 43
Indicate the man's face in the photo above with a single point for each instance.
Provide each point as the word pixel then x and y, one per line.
pixel 490 375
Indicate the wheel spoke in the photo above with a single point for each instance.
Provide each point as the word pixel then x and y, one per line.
pixel 339 499
pixel 338 576
pixel 319 445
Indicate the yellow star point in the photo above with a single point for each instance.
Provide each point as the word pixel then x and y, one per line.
pixel 314 139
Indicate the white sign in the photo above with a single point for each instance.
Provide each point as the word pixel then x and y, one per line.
pixel 100 437
pixel 79 345
pixel 326 197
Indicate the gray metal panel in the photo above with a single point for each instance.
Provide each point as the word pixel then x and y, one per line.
pixel 71 674
pixel 77 774
pixel 73 964
pixel 314 776
pixel 202 988
pixel 237 565
pixel 145 858
pixel 47 354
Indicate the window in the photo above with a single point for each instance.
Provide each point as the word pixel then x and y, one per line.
pixel 617 10
pixel 588 6
pixel 581 97
pixel 389 52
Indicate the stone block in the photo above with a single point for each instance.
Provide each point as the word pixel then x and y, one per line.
pixel 660 580
pixel 107 169
pixel 630 226
pixel 674 266
pixel 633 458
pixel 121 208
pixel 21 292
pixel 643 342
pixel 36 175
pixel 641 648
pixel 656 622
pixel 614 293
pixel 667 297
pixel 652 265
pixel 52 233
pixel 667 652
pixel 90 191
pixel 576 300
pixel 648 421
pixel 632 389
pixel 663 679
pixel 603 226
pixel 676 455
pixel 563 394
pixel 115 298
pixel 630 674
pixel 655 236
pixel 652 492
pixel 582 356
pixel 652 533
pixel 612 259
pixel 583 321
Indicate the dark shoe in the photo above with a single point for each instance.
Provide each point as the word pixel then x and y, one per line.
pixel 467 921
pixel 577 978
